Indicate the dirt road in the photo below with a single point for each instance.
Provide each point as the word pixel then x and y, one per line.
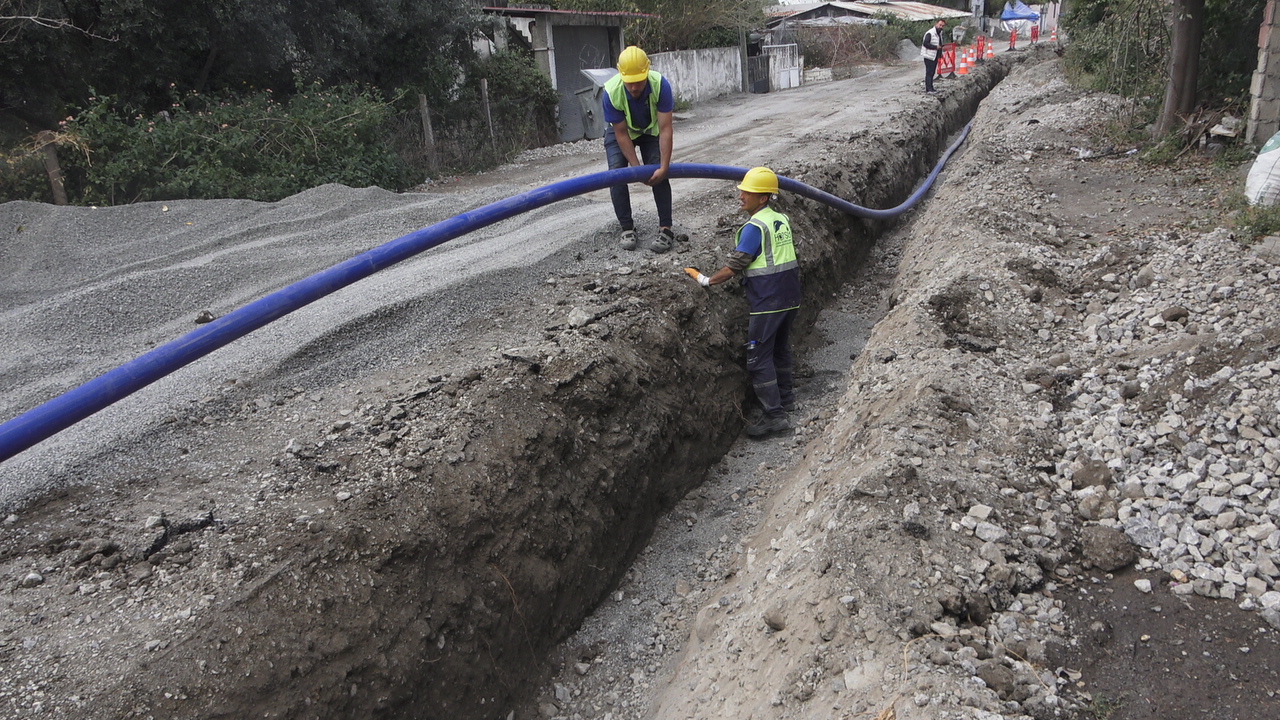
pixel 943 539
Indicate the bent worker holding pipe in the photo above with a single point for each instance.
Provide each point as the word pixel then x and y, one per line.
pixel 765 256
pixel 639 104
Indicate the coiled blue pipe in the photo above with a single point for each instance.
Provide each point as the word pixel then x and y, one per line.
pixel 71 407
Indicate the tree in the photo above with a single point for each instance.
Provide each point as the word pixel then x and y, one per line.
pixel 227 46
pixel 1184 64
pixel 679 24
pixel 1143 50
pixel 15 14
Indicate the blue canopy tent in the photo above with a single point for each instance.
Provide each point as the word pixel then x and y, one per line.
pixel 1018 17
pixel 1019 11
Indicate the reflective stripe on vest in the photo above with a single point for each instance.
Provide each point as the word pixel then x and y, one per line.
pixel 777 251
pixel 620 99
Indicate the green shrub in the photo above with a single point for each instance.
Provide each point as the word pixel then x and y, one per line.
pixel 254 147
pixel 1118 46
pixel 23 177
pixel 250 147
pixel 1253 221
pixel 522 105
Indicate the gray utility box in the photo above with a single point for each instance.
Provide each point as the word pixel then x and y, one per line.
pixel 591 100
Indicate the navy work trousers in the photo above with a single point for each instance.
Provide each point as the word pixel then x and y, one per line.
pixel 769 362
pixel 650 154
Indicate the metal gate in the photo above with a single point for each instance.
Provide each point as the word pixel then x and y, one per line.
pixel 787 66
pixel 758 74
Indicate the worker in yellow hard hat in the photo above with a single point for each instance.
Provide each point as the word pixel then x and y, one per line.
pixel 638 103
pixel 765 256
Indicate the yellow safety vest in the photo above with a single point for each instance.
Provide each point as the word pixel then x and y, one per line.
pixel 777 251
pixel 619 97
pixel 773 278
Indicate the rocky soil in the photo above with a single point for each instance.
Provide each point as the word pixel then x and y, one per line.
pixel 1046 487
pixel 1034 475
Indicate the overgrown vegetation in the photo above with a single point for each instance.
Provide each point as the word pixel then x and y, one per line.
pixel 247 147
pixel 842 47
pixel 679 24
pixel 1122 47
pixel 155 100
pixel 1253 221
pixel 139 48
pixel 1119 46
pixel 255 146
pixel 522 106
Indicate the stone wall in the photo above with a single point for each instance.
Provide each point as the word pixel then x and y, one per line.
pixel 1264 113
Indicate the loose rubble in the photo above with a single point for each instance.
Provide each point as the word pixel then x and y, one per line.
pixel 1064 382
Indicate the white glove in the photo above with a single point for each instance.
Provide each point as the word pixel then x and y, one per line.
pixel 703 280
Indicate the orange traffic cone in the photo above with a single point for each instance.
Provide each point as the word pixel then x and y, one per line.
pixel 1053 35
pixel 991 51
pixel 962 61
pixel 974 57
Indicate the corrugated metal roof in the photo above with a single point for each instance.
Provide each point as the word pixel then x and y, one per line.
pixel 909 10
pixel 780 11
pixel 835 21
pixel 905 10
pixel 515 10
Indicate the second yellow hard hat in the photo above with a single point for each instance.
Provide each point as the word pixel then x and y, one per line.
pixel 760 180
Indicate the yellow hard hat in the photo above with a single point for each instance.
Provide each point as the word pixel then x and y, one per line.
pixel 760 180
pixel 633 64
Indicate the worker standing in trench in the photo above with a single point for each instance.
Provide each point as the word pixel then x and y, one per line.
pixel 639 103
pixel 766 257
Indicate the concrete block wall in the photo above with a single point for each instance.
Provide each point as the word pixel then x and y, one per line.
pixel 698 75
pixel 1264 112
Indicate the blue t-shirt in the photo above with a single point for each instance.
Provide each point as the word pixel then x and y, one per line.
pixel 640 106
pixel 750 240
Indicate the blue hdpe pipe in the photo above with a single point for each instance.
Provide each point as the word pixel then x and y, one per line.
pixel 71 407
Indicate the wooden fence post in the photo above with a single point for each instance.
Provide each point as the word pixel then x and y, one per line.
pixel 428 136
pixel 488 116
pixel 47 139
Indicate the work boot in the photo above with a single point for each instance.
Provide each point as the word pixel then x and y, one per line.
pixel 628 241
pixel 766 426
pixel 665 239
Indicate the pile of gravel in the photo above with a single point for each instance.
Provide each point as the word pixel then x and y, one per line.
pixel 1196 470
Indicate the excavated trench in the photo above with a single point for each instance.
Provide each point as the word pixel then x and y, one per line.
pixel 630 416
pixel 502 500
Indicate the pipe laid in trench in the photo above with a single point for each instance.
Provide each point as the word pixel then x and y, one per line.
pixel 60 413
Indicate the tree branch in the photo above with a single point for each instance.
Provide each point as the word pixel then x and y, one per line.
pixel 11 24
